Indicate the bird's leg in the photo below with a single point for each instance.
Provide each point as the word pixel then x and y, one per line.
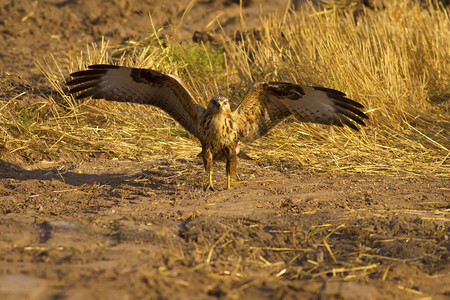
pixel 231 166
pixel 208 162
pixel 210 184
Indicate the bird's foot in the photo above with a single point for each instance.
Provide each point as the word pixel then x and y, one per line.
pixel 210 187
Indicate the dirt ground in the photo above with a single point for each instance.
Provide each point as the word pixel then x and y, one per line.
pixel 100 228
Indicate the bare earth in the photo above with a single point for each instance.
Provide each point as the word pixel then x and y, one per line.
pixel 87 227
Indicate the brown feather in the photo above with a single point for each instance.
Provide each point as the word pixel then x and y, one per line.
pixel 266 104
pixel 143 86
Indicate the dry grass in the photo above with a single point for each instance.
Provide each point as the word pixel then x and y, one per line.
pixel 395 61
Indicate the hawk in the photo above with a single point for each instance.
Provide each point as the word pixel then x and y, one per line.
pixel 218 127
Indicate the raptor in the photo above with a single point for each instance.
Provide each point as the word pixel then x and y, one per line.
pixel 218 127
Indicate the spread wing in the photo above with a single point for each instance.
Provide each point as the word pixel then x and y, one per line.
pixel 268 103
pixel 144 86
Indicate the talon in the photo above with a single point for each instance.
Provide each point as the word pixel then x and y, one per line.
pixel 210 187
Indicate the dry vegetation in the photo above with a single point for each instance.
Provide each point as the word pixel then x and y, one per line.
pixel 395 61
pixel 147 230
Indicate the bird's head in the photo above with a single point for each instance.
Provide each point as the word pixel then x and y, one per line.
pixel 219 104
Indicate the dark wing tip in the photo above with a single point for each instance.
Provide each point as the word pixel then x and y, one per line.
pixel 85 94
pixel 328 90
pixel 85 85
pixel 84 73
pixel 80 79
pixel 349 124
pixel 335 94
pixel 346 108
pixel 103 66
pixel 345 100
pixel 285 89
pixel 83 82
pixel 93 70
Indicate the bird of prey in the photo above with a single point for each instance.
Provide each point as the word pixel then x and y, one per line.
pixel 218 128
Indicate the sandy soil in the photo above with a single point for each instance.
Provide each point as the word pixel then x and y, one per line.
pixel 94 228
